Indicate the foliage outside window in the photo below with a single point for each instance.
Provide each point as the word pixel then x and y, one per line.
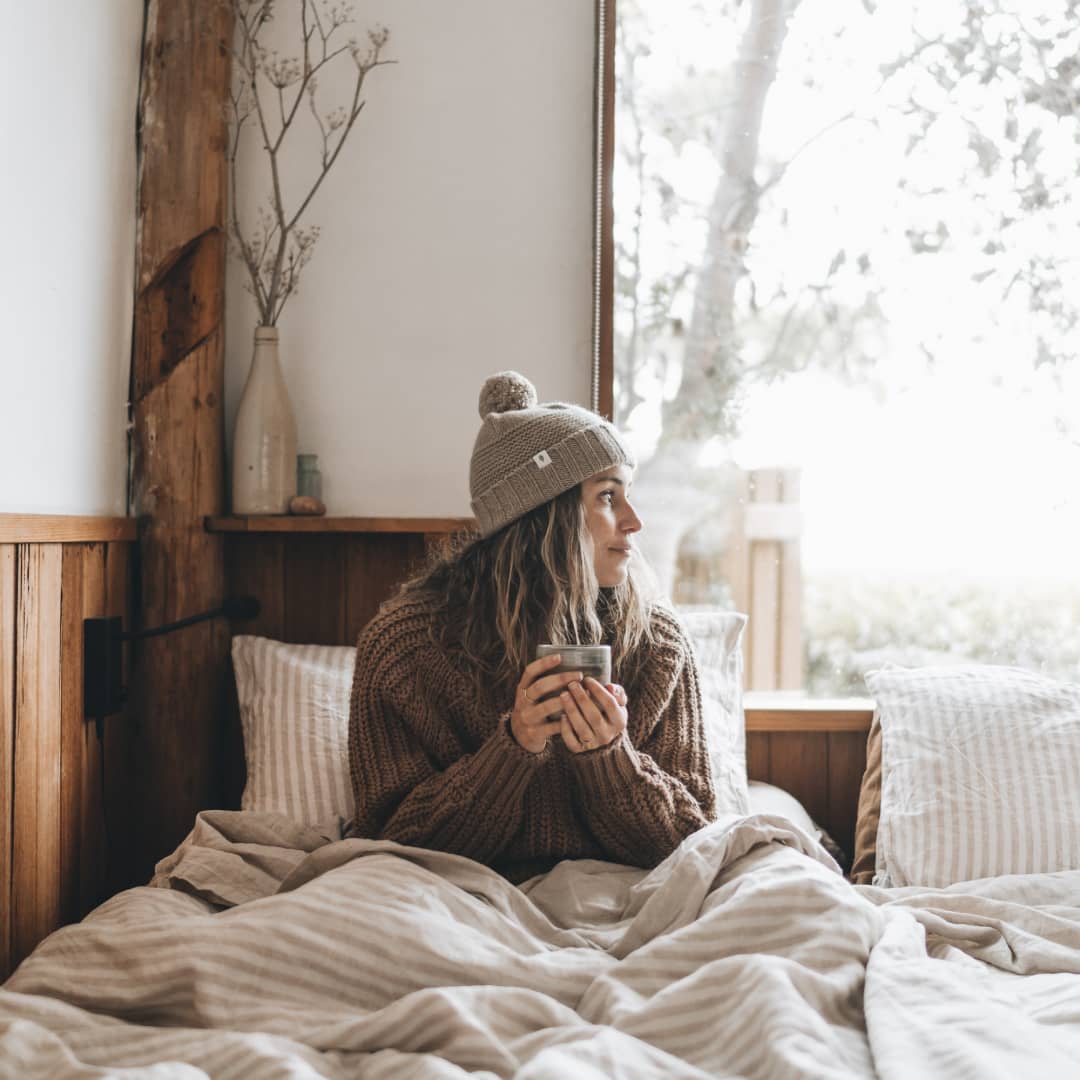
pixel 846 244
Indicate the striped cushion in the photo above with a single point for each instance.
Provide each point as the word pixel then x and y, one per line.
pixel 717 640
pixel 294 709
pixel 980 774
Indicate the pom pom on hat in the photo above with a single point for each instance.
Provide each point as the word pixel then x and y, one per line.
pixel 506 392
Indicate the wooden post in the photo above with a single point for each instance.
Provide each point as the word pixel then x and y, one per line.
pixel 764 588
pixel 763 566
pixel 177 390
pixel 789 636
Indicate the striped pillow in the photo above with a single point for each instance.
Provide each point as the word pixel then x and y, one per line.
pixel 980 774
pixel 294 710
pixel 716 637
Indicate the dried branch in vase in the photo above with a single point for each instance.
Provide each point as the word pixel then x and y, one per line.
pixel 268 91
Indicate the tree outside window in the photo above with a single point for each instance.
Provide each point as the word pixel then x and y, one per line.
pixel 846 248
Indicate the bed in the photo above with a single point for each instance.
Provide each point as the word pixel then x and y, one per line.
pixel 269 945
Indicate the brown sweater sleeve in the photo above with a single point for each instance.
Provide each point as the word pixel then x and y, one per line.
pixel 412 780
pixel 642 801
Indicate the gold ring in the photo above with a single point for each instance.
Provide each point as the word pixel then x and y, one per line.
pixel 525 695
pixel 586 742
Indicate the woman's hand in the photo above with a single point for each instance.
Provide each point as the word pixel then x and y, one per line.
pixel 594 717
pixel 531 722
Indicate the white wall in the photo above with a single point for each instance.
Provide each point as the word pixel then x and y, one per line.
pixel 68 95
pixel 457 241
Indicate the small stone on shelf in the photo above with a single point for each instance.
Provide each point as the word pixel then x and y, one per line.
pixel 307 505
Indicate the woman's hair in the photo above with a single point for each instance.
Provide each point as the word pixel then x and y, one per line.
pixel 532 582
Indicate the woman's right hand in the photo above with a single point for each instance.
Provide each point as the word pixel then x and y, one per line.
pixel 531 722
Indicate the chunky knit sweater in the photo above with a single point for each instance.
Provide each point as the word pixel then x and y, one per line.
pixel 434 767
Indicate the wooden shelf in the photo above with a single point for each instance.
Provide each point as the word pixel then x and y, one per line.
pixel 786 712
pixel 296 523
pixel 65 529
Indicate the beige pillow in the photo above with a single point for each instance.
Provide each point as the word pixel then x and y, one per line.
pixel 716 637
pixel 769 799
pixel 294 711
pixel 869 812
pixel 980 774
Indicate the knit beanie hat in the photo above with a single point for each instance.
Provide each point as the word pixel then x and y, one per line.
pixel 526 453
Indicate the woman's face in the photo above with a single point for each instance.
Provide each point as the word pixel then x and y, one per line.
pixel 611 521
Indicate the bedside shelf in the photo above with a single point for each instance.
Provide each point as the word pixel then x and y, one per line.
pixel 297 523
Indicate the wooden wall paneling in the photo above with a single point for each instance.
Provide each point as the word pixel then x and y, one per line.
pixel 375 565
pixel 361 598
pixel 8 568
pixel 847 762
pixel 255 566
pixel 757 755
pixel 92 845
pixel 72 765
pixel 799 763
pixel 82 812
pixel 119 737
pixel 36 798
pixel 315 589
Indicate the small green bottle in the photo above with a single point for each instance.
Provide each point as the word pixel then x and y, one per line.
pixel 308 477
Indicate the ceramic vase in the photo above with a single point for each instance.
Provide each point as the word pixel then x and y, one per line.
pixel 264 440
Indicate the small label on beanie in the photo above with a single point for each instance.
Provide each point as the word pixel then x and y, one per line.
pixel 543 459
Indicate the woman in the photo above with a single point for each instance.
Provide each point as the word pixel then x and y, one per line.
pixel 453 724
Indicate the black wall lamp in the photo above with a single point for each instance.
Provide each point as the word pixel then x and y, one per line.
pixel 103 637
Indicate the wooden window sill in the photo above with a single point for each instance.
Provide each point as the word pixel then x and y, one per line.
pixel 779 711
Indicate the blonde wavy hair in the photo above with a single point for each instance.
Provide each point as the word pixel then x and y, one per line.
pixel 534 582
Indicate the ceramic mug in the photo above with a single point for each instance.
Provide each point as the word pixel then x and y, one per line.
pixel 593 661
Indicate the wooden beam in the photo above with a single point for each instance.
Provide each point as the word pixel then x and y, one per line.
pixel 177 389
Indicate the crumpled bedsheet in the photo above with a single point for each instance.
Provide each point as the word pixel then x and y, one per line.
pixel 262 949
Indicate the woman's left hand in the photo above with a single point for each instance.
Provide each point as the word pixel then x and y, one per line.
pixel 593 717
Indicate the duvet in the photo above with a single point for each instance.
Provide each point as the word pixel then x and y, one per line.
pixel 266 950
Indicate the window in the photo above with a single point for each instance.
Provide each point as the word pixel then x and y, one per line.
pixel 845 324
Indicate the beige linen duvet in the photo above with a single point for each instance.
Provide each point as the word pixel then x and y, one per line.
pixel 267 950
